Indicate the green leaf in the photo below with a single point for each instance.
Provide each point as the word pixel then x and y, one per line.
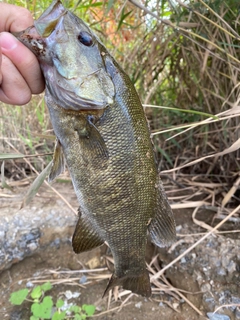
pixel 36 185
pixel 59 315
pixel 75 309
pixel 36 293
pixel 43 310
pixel 164 153
pixel 123 16
pixel 46 286
pixel 18 297
pixel 59 303
pixel 34 318
pixel 89 309
pixel 77 317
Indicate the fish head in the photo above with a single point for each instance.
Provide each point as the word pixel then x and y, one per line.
pixel 71 58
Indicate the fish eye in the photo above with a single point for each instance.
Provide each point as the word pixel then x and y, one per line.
pixel 85 38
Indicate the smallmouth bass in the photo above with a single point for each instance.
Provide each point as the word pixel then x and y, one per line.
pixel 103 135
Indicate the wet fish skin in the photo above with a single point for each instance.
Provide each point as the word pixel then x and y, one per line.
pixel 102 131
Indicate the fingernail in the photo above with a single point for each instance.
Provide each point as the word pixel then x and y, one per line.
pixel 7 41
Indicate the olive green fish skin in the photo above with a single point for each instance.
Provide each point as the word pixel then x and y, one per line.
pixel 110 157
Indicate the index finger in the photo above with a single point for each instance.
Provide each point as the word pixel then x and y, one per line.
pixel 13 18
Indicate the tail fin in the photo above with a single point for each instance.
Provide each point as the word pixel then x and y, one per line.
pixel 139 284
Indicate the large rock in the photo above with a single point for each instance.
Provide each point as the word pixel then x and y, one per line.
pixel 46 221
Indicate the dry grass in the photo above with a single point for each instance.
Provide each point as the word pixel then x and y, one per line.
pixel 190 60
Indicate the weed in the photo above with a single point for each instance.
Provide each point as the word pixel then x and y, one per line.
pixel 43 306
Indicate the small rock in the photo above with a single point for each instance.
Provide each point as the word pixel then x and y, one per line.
pixel 29 284
pixel 178 228
pixel 221 272
pixel 183 260
pixel 2 235
pixel 76 294
pixel 138 305
pixel 175 305
pixel 237 313
pixel 231 267
pixel 32 246
pixel 217 316
pixel 16 315
pixel 69 294
pixel 83 279
pixel 99 308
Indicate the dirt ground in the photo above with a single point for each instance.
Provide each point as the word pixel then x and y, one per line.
pixel 208 276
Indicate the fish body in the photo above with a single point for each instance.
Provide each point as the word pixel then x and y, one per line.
pixel 103 134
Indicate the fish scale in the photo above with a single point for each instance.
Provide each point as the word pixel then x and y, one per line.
pixel 103 134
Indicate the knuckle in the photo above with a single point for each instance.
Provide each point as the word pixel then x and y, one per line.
pixel 25 13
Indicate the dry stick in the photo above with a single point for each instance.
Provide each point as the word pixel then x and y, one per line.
pixel 54 190
pixel 220 18
pixel 159 273
pixel 183 297
pixel 105 312
pixel 171 288
pixel 227 306
pixel 203 233
pixel 235 35
pixel 184 31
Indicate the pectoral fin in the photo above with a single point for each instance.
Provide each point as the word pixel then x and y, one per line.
pixel 162 227
pixel 85 236
pixel 91 139
pixel 58 162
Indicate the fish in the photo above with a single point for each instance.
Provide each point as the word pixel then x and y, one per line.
pixel 103 136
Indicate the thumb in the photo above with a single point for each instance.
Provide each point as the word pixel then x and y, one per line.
pixel 24 60
pixel 10 46
pixel 0 66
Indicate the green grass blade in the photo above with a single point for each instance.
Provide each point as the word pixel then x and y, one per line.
pixel 36 185
pixel 9 156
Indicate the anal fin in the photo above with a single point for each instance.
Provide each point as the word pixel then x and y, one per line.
pixel 85 237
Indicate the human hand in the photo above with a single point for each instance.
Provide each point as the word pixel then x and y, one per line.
pixel 20 73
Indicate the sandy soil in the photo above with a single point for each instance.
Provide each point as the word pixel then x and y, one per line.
pixel 37 239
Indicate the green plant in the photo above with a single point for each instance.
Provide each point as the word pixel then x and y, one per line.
pixel 43 306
